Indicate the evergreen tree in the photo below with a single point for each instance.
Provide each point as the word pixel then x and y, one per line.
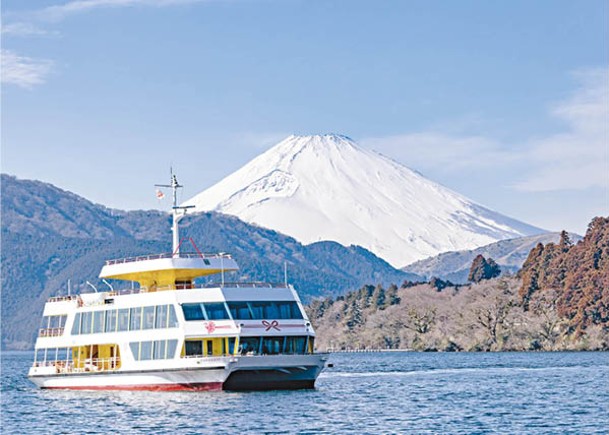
pixel 391 295
pixel 379 298
pixel 483 269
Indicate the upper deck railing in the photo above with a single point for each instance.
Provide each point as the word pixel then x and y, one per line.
pixel 121 292
pixel 167 255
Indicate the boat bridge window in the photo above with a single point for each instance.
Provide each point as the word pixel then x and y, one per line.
pixel 125 319
pixel 157 349
pixel 206 311
pixel 259 310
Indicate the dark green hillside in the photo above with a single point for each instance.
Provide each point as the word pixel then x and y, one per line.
pixel 50 236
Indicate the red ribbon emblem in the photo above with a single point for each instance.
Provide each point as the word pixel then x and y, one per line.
pixel 271 325
pixel 211 327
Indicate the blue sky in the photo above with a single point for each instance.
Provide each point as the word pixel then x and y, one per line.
pixel 504 102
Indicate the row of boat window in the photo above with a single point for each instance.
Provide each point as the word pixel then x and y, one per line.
pixel 125 319
pixel 157 349
pixel 53 354
pixel 242 310
pixel 275 345
pixel 166 349
pixel 52 322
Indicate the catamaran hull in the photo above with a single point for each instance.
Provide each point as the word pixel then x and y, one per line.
pixel 244 373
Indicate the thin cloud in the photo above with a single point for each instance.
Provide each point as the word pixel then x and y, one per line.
pixel 435 150
pixel 22 29
pixel 23 71
pixel 576 158
pixel 59 12
pixel 579 157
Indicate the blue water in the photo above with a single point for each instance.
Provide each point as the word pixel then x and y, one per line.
pixel 405 392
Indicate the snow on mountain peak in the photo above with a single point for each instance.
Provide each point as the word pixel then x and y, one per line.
pixel 325 187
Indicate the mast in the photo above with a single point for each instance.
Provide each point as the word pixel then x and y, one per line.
pixel 178 212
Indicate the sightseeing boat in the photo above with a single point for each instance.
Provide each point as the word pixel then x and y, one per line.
pixel 166 332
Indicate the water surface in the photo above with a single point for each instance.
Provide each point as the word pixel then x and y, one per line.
pixel 396 392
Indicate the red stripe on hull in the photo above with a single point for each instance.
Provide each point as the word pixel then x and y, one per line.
pixel 210 386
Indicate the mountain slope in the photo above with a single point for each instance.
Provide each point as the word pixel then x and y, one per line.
pixel 509 254
pixel 50 236
pixel 327 188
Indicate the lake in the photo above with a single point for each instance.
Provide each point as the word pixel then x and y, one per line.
pixel 364 393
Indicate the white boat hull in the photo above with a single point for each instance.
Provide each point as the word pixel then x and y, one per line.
pixel 239 373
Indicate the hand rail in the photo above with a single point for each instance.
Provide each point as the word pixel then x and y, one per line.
pixel 129 291
pixel 50 332
pixel 88 365
pixel 166 255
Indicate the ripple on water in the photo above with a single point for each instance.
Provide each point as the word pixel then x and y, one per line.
pixel 364 393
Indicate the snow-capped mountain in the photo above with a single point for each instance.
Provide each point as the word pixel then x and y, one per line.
pixel 328 188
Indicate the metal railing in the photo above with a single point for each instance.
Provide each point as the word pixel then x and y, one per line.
pixel 167 255
pixel 87 365
pixel 131 291
pixel 50 332
pixel 62 298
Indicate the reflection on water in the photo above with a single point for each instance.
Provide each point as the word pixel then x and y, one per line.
pixel 363 393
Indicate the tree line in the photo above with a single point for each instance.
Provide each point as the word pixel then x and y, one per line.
pixel 558 301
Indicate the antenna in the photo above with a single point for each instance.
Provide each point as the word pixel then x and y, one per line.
pixel 178 212
pixel 69 286
pixel 222 266
pixel 92 286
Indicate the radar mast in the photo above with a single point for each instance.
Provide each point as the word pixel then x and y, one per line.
pixel 178 212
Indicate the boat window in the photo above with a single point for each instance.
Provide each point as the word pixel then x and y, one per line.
pixel 272 345
pixel 173 319
pixel 76 325
pixel 110 321
pixel 146 350
pixel 231 345
pixel 295 345
pixel 271 311
pixel 240 310
pixel 193 311
pixel 296 312
pixel 159 349
pixel 171 348
pixel 285 311
pixel 53 322
pixel 135 350
pixel 160 320
pixel 40 355
pixel 265 310
pixel 123 319
pixel 193 348
pixel 216 311
pixel 249 345
pixel 135 322
pixel 148 320
pixel 85 326
pixel 210 347
pixel 257 309
pixel 98 322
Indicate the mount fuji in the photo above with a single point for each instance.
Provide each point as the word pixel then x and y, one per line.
pixel 325 187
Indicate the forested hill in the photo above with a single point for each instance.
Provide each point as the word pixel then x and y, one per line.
pixel 50 235
pixel 578 274
pixel 558 301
